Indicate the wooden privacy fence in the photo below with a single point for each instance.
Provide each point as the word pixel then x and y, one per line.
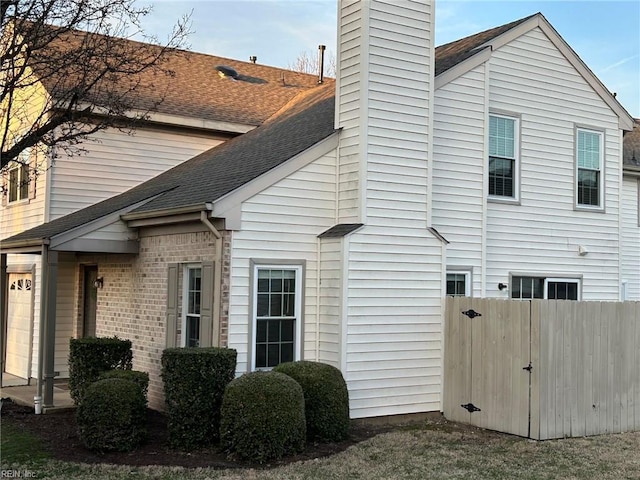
pixel 542 368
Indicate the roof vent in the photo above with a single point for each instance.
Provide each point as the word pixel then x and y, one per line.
pixel 225 71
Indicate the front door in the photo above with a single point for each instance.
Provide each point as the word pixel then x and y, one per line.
pixel 90 301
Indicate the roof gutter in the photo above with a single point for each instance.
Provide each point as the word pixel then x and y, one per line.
pixel 166 212
pixel 5 246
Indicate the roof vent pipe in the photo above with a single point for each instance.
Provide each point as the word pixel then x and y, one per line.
pixel 253 59
pixel 321 49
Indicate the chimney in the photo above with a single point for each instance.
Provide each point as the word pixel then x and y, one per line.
pixel 385 71
pixel 321 49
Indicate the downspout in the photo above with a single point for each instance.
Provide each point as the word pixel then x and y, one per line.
pixel 4 309
pixel 217 277
pixel 37 400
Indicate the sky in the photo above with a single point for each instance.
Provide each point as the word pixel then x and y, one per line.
pixel 605 34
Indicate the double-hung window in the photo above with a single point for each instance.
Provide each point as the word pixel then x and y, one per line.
pixel 503 157
pixel 545 288
pixel 18 183
pixel 589 168
pixel 192 298
pixel 277 316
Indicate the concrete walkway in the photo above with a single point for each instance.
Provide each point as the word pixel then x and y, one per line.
pixel 23 395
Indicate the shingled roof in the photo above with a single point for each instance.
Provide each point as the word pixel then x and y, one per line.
pixel 194 87
pixel 631 143
pixel 450 54
pixel 302 123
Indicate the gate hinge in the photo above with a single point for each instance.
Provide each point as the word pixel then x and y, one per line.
pixel 471 313
pixel 528 368
pixel 470 407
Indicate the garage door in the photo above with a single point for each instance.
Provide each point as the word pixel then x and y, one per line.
pixel 19 324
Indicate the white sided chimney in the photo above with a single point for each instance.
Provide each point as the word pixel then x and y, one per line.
pixel 384 103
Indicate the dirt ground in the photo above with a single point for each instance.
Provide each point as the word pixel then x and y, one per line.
pixel 59 435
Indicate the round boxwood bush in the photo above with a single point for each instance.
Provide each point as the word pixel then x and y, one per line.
pixel 139 378
pixel 262 417
pixel 112 416
pixel 326 398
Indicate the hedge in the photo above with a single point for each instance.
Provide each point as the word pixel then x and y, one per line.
pixel 112 416
pixel 89 357
pixel 194 384
pixel 326 398
pixel 263 417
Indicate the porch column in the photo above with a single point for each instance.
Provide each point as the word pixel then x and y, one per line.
pixel 48 317
pixel 4 309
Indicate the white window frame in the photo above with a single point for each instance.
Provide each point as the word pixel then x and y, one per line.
pixel 545 287
pixel 515 198
pixel 600 170
pixel 467 280
pixel 21 167
pixel 299 319
pixel 186 269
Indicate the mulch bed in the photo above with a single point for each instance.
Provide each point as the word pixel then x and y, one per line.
pixel 59 435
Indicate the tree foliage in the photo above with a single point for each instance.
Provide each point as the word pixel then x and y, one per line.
pixel 93 76
pixel 309 62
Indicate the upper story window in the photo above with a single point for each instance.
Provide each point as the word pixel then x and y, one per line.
pixel 589 168
pixel 17 186
pixel 503 156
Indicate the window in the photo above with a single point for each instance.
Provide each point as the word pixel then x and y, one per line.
pixel 192 298
pixel 458 283
pixel 503 165
pixel 277 319
pixel 589 168
pixel 545 288
pixel 19 183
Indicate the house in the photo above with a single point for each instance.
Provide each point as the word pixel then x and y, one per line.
pixel 334 230
pixel 630 215
pixel 191 111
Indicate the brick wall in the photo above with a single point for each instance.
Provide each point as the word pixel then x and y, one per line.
pixel 132 303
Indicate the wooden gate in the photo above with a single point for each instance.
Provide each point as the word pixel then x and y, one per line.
pixel 487 364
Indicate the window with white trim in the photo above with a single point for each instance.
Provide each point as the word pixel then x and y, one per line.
pixel 589 146
pixel 503 156
pixel 277 306
pixel 548 288
pixel 458 283
pixel 18 182
pixel 191 298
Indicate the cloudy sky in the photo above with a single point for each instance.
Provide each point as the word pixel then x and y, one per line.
pixel 606 34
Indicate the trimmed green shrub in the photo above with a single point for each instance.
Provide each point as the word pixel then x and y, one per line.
pixel 112 416
pixel 326 398
pixel 194 383
pixel 89 357
pixel 263 417
pixel 141 379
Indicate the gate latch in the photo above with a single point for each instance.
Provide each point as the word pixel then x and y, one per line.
pixel 471 313
pixel 470 407
pixel 528 368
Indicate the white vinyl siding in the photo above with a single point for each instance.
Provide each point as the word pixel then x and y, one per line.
pixel 330 333
pixel 459 182
pixel 529 76
pixel 280 225
pixel 393 265
pixel 116 162
pixel 630 237
pixel 66 310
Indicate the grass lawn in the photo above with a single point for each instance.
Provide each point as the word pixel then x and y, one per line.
pixel 407 453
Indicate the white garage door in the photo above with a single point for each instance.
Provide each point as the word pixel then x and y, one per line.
pixel 19 324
